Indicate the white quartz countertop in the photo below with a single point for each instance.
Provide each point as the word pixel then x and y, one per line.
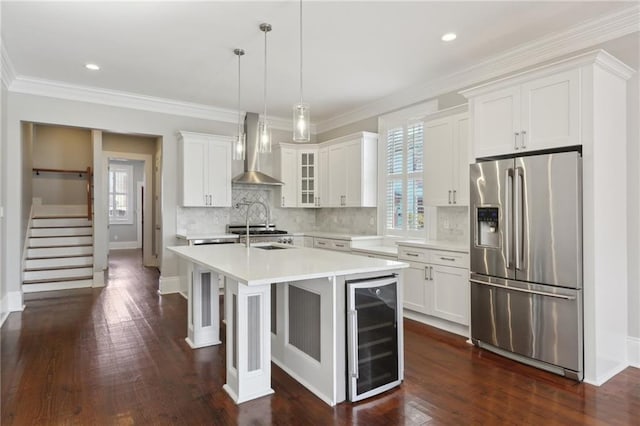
pixel 254 266
pixel 377 249
pixel 436 245
pixel 204 236
pixel 339 236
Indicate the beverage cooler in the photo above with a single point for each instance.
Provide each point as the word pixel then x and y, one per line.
pixel 373 336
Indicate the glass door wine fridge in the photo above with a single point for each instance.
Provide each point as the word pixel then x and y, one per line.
pixel 374 336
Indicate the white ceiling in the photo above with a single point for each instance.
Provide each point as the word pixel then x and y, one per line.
pixel 355 52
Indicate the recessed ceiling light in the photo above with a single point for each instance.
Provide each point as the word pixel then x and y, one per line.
pixel 449 37
pixel 92 67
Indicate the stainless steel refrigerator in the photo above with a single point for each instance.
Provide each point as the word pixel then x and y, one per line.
pixel 526 260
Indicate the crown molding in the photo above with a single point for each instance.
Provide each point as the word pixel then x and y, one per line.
pixel 72 92
pixel 582 36
pixel 8 72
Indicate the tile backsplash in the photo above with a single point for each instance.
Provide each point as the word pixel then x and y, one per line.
pixel 453 224
pixel 360 221
pixel 195 220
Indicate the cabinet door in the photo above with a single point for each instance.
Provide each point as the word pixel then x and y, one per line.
pixel 450 293
pixel 219 174
pixel 308 172
pixel 323 177
pixel 460 125
pixel 337 175
pixel 416 288
pixel 550 112
pixel 438 162
pixel 194 173
pixel 289 175
pixel 353 185
pixel 496 121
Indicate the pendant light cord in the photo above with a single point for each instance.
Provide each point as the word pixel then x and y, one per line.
pixel 301 52
pixel 265 74
pixel 239 79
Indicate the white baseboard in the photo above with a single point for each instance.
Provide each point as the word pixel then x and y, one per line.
pixel 4 310
pixel 451 327
pixel 98 279
pixel 123 245
pixel 633 351
pixel 14 301
pixel 169 285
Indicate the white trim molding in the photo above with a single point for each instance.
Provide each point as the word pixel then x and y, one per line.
pixel 4 310
pixel 169 285
pixel 14 301
pixel 123 245
pixel 73 92
pixel 8 71
pixel 633 351
pixel 98 279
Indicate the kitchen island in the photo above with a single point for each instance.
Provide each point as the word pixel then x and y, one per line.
pixel 282 304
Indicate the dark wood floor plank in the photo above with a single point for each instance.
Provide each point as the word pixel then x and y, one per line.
pixel 117 356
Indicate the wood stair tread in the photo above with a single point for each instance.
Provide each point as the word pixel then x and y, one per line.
pixel 61 236
pixel 61 217
pixel 56 268
pixel 72 245
pixel 61 227
pixel 57 280
pixel 60 257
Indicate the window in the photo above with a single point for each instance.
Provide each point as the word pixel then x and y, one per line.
pixel 120 193
pixel 403 206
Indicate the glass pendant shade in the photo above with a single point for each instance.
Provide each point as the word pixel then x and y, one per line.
pixel 264 137
pixel 301 123
pixel 239 146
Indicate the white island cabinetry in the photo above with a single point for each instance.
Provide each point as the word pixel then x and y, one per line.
pixel 204 170
pixel 307 335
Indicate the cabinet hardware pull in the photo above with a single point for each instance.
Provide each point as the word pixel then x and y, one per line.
pixel 431 273
pixel 412 254
pixel 426 268
pixel 515 140
pixel 524 136
pixel 449 196
pixel 339 245
pixel 283 201
pixel 320 243
pixel 451 259
pixel 454 196
pixel 354 344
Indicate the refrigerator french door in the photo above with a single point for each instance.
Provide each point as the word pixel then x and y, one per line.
pixel 526 259
pixel 373 334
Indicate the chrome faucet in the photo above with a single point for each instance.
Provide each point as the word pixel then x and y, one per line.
pixel 244 202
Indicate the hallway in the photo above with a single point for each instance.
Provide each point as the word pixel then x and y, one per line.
pixel 117 356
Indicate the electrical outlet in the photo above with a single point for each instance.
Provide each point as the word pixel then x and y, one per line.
pixel 446 224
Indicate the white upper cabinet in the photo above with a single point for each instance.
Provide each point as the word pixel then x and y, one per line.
pixel 446 164
pixel 539 114
pixel 323 177
pixel 353 171
pixel 286 169
pixel 205 170
pixel 307 179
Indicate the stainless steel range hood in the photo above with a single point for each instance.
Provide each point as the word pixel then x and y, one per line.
pixel 251 173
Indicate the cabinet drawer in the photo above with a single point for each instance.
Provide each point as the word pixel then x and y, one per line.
pixel 413 254
pixel 323 243
pixel 340 245
pixel 449 258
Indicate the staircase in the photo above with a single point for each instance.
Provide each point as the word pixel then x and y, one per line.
pixel 59 254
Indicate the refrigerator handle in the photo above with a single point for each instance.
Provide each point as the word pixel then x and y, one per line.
pixel 517 218
pixel 508 187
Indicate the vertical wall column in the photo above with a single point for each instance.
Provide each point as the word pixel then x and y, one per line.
pixel 248 319
pixel 203 319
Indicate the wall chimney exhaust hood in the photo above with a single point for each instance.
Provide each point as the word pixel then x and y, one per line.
pixel 251 173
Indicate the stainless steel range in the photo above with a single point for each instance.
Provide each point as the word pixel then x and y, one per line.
pixel 261 234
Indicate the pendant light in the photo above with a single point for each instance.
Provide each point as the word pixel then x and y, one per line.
pixel 301 111
pixel 240 140
pixel 264 130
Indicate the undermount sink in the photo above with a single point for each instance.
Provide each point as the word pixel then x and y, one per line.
pixel 271 247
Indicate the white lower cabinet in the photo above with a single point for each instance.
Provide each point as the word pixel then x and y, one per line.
pixel 432 287
pixel 331 244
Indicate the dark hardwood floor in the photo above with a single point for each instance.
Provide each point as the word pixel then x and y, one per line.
pixel 117 356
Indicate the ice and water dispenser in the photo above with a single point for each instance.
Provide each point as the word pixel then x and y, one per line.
pixel 487 227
